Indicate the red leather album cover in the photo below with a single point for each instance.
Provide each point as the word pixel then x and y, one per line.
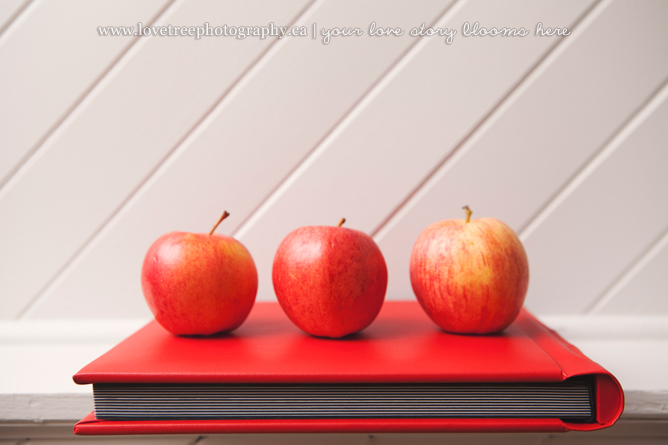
pixel 402 346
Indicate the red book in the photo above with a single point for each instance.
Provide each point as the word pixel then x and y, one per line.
pixel 402 374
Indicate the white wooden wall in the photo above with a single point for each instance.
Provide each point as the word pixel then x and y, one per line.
pixel 107 143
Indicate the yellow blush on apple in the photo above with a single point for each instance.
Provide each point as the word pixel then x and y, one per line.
pixel 470 276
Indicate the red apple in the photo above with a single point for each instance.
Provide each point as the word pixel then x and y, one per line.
pixel 330 281
pixel 470 277
pixel 199 284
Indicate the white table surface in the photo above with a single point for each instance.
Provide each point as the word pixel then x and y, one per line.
pixel 39 358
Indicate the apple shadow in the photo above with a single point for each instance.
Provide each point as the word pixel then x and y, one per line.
pixel 215 336
pixel 357 336
pixel 493 334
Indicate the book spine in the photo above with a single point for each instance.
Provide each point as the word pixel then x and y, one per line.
pixel 608 392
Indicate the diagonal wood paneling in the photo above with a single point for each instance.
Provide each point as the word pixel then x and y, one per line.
pixel 253 139
pixel 392 133
pixel 603 222
pixel 643 289
pixel 553 124
pixel 410 123
pixel 128 124
pixel 47 77
pixel 9 10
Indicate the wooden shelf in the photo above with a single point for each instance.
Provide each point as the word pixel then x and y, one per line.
pixel 39 399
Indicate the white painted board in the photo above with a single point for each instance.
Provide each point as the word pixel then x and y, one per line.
pixel 602 226
pixel 412 121
pixel 50 59
pixel 237 157
pixel 644 289
pixel 9 10
pixel 122 131
pixel 530 148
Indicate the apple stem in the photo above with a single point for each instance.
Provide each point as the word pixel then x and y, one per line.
pixel 225 215
pixel 341 222
pixel 468 213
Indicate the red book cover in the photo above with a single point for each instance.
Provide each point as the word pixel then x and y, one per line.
pixel 402 346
